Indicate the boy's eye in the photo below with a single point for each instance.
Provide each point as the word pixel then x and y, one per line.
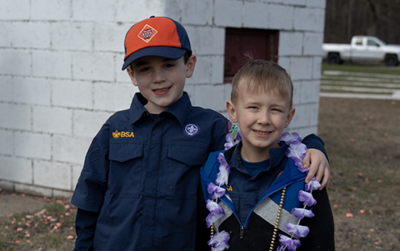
pixel 169 65
pixel 144 69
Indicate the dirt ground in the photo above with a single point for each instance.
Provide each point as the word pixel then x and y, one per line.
pixel 362 138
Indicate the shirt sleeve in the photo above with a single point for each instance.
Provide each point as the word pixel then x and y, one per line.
pixel 202 232
pixel 92 184
pixel 85 225
pixel 313 141
pixel 221 128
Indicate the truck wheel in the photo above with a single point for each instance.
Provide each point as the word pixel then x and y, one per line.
pixel 333 58
pixel 391 60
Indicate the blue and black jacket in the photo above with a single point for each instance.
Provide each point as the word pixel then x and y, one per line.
pixel 251 204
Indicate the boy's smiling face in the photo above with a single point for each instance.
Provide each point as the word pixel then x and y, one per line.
pixel 262 117
pixel 161 80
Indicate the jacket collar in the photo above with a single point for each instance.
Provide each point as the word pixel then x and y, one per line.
pixel 180 109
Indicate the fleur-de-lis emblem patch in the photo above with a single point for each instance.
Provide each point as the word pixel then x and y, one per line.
pixel 116 134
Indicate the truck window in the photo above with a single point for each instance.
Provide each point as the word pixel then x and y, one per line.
pixel 359 42
pixel 372 43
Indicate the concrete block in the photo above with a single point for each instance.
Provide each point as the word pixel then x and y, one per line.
pixel 93 66
pixel 135 11
pixel 15 116
pixel 301 68
pixel 15 62
pixel 290 43
pixel 301 117
pixel 88 123
pixel 6 34
pixel 76 173
pixel 280 17
pixel 60 122
pixel 93 10
pixel 70 149
pixel 60 10
pixel 314 112
pixel 210 96
pixel 269 1
pixel 6 87
pixel 121 76
pixel 203 71
pixel 296 92
pixel 69 93
pixel 197 12
pixel 34 190
pixel 109 37
pixel 51 64
pixel 316 3
pixel 313 44
pixel 255 15
pixel 228 13
pixel 30 34
pixel 6 142
pixel 52 174
pixel 62 194
pixel 207 40
pixel 16 169
pixel 172 9
pixel 317 64
pixel 15 9
pixel 309 92
pixel 294 2
pixel 310 19
pixel 32 145
pixel 76 36
pixel 284 62
pixel 31 91
pixel 111 97
pixel 7 185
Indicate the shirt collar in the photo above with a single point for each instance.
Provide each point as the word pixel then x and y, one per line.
pixel 233 156
pixel 180 109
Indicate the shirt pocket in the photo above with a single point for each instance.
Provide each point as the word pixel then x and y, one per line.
pixel 179 178
pixel 126 169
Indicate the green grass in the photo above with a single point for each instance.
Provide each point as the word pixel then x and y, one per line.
pixel 358 67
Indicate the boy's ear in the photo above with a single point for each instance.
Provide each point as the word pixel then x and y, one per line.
pixel 290 116
pixel 131 75
pixel 230 107
pixel 191 63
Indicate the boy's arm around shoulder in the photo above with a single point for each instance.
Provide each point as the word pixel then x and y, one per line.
pixel 317 159
pixel 90 190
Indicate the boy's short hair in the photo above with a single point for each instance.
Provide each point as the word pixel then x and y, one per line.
pixel 156 36
pixel 260 75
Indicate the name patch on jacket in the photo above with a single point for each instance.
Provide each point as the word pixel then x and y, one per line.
pixel 117 134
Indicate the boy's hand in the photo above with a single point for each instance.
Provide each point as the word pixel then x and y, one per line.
pixel 319 167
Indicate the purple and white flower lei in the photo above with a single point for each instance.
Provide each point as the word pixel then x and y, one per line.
pixel 296 151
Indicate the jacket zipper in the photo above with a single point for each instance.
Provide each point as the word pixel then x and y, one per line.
pixel 241 232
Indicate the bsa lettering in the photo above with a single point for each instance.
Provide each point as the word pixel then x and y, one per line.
pixel 229 188
pixel 117 134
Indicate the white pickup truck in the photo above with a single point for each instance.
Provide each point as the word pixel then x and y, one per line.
pixel 362 48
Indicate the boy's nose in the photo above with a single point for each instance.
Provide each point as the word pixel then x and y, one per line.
pixel 264 119
pixel 159 76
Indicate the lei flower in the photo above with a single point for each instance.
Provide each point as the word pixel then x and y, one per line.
pixel 296 151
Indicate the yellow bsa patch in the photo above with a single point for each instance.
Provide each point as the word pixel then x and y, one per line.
pixel 117 134
pixel 229 188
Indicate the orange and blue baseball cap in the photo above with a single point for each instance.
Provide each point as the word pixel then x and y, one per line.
pixel 156 36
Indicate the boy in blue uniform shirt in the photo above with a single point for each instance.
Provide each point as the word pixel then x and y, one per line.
pixel 252 209
pixel 138 187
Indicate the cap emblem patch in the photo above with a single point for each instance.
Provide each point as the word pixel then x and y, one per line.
pixel 191 129
pixel 147 33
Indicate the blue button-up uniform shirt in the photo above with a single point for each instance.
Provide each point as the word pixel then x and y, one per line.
pixel 141 174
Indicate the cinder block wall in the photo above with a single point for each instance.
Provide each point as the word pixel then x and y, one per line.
pixel 61 78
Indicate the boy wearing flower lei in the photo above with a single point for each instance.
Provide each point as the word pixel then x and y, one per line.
pixel 255 190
